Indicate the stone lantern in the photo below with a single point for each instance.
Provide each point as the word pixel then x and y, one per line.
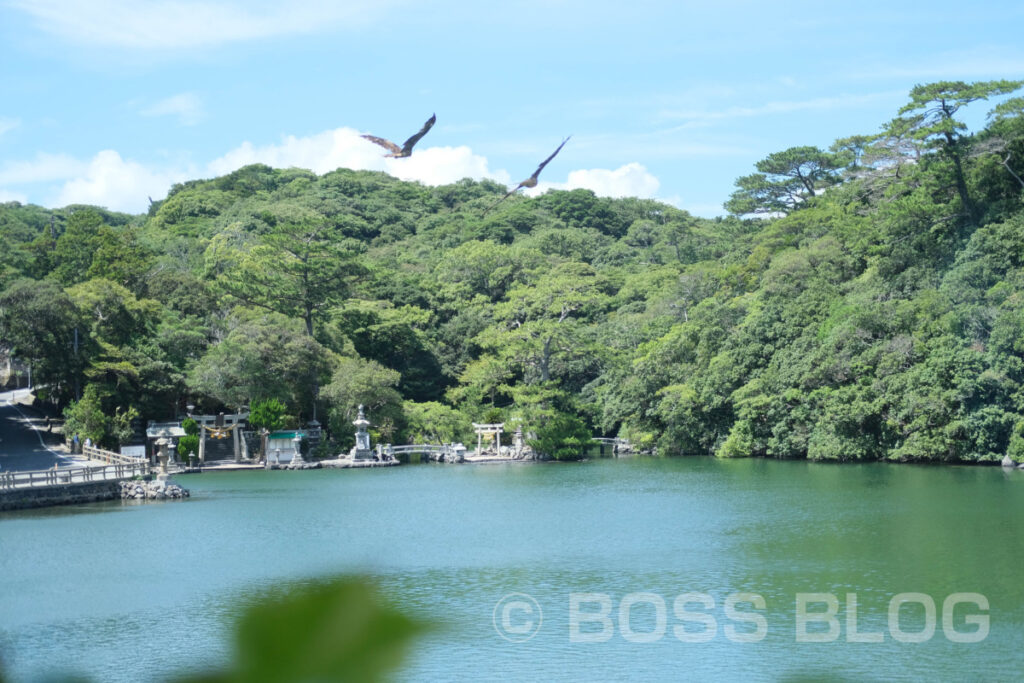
pixel 361 451
pixel 297 457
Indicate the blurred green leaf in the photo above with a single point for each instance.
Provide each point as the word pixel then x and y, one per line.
pixel 326 630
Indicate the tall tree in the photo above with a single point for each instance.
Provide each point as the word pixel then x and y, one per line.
pixel 1008 125
pixel 300 268
pixel 896 145
pixel 266 357
pixel 937 104
pixel 73 252
pixel 785 180
pixel 540 324
pixel 41 324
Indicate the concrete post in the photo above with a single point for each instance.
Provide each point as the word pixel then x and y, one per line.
pixel 238 452
pixel 202 444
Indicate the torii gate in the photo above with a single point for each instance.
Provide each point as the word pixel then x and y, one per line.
pixel 492 430
pixel 219 426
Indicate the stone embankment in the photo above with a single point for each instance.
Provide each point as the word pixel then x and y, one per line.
pixel 349 463
pixel 332 463
pixel 450 457
pixel 26 498
pixel 69 494
pixel 151 490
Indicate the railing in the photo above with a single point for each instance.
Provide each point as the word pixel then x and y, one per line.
pixel 72 475
pixel 426 449
pixel 109 457
pixel 618 445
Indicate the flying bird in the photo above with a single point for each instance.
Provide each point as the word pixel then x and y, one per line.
pixel 406 149
pixel 532 180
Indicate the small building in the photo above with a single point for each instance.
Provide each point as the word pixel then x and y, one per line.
pixel 281 446
pixel 161 430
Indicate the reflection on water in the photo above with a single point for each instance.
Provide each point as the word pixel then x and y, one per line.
pixel 137 592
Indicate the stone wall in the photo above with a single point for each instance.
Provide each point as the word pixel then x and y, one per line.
pixel 70 494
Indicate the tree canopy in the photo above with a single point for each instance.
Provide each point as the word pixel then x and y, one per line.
pixel 860 303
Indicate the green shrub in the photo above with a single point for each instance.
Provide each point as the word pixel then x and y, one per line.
pixel 562 437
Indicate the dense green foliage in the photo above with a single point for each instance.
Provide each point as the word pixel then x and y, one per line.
pixel 268 414
pixel 875 311
pixel 188 445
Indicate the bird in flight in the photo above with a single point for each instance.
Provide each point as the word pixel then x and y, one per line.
pixel 406 149
pixel 532 180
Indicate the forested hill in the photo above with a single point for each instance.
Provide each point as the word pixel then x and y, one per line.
pixel 874 310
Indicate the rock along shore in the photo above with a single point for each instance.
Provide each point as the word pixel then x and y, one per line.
pixel 152 490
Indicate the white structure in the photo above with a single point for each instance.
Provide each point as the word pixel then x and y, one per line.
pixel 284 447
pixel 362 450
pixel 491 432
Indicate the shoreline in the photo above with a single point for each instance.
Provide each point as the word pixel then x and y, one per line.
pixel 84 493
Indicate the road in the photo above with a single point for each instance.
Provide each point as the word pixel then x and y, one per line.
pixel 24 441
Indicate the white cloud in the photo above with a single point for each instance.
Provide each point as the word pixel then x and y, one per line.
pixel 7 196
pixel 186 106
pixel 118 184
pixel 176 24
pixel 344 147
pixel 319 153
pixel 7 125
pixel 443 165
pixel 631 180
pixel 44 168
pixel 125 185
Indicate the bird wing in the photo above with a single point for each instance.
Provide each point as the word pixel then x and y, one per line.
pixel 407 147
pixel 545 162
pixel 386 144
pixel 526 183
pixel 507 195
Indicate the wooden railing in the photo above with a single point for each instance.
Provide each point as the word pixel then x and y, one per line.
pixel 109 457
pixel 73 475
pixel 425 449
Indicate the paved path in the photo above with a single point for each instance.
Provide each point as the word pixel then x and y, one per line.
pixel 24 441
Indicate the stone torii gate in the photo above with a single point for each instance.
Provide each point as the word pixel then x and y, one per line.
pixel 491 430
pixel 219 426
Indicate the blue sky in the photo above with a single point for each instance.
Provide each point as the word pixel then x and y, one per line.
pixel 111 101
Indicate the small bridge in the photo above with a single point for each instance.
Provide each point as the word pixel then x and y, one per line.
pixel 115 467
pixel 445 452
pixel 616 445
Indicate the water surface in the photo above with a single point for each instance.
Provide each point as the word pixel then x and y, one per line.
pixel 138 591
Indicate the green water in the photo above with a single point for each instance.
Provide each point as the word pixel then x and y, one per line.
pixel 135 592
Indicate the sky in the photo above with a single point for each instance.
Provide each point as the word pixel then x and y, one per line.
pixel 111 102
